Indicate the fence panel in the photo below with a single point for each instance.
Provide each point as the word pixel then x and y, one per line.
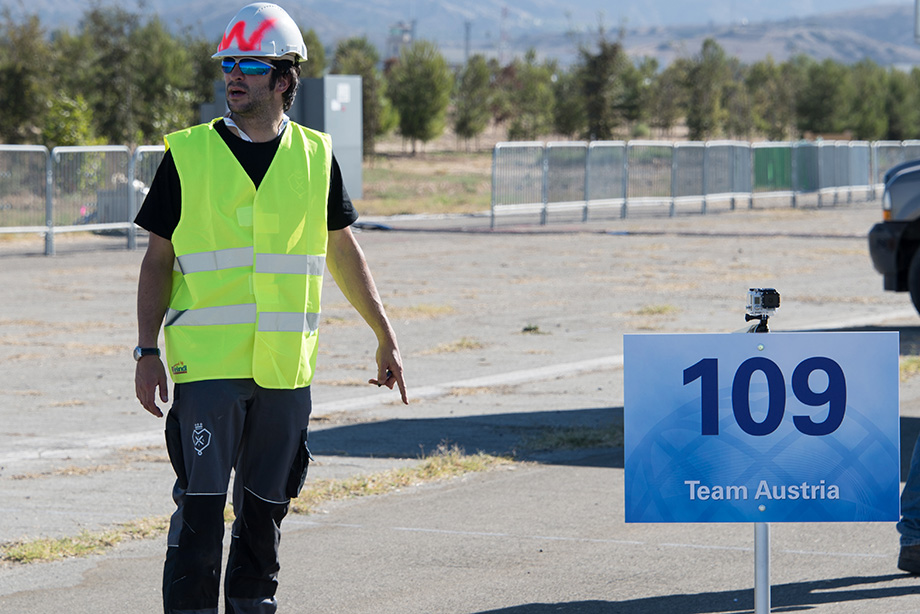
pixel 720 161
pixel 772 167
pixel 91 188
pixel 518 178
pixel 649 173
pixel 688 174
pixel 24 174
pixel 860 160
pixel 566 169
pixel 806 167
pixel 889 154
pixel 606 175
pixel 742 159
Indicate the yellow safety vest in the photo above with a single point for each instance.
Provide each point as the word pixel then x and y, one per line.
pixel 246 288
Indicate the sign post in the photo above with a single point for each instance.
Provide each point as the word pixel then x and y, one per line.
pixel 761 568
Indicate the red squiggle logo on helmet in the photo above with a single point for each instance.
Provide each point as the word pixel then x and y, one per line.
pixel 238 32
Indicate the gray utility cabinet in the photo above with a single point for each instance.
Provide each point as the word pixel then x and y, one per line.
pixel 331 104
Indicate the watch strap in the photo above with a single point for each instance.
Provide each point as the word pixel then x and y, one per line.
pixel 140 352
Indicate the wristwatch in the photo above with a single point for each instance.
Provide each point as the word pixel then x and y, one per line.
pixel 140 352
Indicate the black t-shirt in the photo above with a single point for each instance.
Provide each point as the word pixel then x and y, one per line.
pixel 163 204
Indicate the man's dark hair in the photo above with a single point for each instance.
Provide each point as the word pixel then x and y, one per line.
pixel 282 68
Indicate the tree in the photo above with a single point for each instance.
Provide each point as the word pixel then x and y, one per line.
pixel 736 99
pixel 139 80
pixel 669 97
pixel 68 121
pixel 315 66
pixel 823 105
pixel 637 82
pixel 902 105
pixel 24 82
pixel 472 100
pixel 358 56
pixel 102 64
pixel 569 116
pixel 503 79
pixel 161 85
pixel 869 116
pixel 708 77
pixel 532 98
pixel 419 86
pixel 772 99
pixel 603 89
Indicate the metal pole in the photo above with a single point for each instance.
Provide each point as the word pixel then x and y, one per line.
pixel 494 178
pixel 706 150
pixel 132 201
pixel 624 211
pixel 544 214
pixel 584 215
pixel 672 211
pixel 49 204
pixel 761 568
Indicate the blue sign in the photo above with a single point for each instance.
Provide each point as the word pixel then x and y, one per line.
pixel 767 427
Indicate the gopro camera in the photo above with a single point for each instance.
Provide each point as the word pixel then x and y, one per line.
pixel 762 302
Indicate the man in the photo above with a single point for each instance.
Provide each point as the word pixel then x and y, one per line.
pixel 909 526
pixel 244 214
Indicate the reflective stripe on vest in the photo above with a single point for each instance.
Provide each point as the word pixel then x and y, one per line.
pixel 278 321
pixel 290 264
pixel 215 260
pixel 284 264
pixel 282 322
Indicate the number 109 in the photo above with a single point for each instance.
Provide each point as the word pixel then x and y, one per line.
pixel 834 396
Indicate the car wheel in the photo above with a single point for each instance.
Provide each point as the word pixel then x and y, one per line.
pixel 913 280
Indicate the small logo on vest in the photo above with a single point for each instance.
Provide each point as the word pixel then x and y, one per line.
pixel 179 368
pixel 299 183
pixel 201 438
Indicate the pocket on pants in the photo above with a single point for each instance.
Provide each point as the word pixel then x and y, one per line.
pixel 174 449
pixel 298 474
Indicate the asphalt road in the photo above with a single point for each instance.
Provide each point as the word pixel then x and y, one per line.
pixel 505 334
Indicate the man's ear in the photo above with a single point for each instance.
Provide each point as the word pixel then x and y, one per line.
pixel 283 83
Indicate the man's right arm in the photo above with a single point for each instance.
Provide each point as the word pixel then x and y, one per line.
pixel 154 288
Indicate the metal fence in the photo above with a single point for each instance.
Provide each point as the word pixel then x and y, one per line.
pixel 99 189
pixel 74 189
pixel 557 177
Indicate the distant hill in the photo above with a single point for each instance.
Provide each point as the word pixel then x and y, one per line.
pixel 844 30
pixel 884 34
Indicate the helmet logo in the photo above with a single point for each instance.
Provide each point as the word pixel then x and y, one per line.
pixel 254 43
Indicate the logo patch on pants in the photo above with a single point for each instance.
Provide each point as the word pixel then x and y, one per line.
pixel 201 438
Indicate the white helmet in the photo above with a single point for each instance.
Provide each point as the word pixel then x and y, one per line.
pixel 262 30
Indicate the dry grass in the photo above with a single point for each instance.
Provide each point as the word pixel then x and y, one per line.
pixel 423 311
pixel 464 344
pixel 445 463
pixel 85 544
pixel 441 182
pixel 655 310
pixel 909 367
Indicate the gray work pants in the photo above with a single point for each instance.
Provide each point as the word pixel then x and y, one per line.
pixel 261 434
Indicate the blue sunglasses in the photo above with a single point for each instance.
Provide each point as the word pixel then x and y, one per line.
pixel 248 66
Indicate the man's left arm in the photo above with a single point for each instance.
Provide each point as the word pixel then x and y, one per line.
pixel 349 269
